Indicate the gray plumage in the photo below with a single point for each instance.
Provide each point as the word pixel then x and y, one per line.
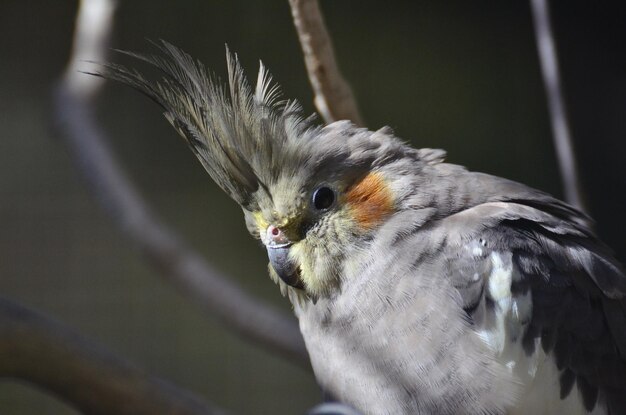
pixel 422 287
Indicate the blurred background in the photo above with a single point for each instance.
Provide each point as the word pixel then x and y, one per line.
pixel 458 75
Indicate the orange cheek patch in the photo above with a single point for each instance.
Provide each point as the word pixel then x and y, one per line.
pixel 370 200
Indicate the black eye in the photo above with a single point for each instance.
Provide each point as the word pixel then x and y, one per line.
pixel 323 198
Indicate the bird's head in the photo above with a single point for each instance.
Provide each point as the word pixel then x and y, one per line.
pixel 311 194
pixel 323 204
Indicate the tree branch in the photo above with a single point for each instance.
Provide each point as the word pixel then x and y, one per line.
pixel 333 96
pixel 46 353
pixel 237 310
pixel 558 116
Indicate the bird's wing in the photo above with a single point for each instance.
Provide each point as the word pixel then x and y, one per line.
pixel 534 275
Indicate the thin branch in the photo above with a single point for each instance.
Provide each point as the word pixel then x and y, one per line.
pixel 333 96
pixel 558 115
pixel 46 353
pixel 237 310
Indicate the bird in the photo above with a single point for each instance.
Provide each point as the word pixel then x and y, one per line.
pixel 420 287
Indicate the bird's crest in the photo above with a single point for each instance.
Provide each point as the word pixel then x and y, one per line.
pixel 237 134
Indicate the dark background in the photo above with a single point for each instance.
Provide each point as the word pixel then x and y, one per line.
pixel 458 75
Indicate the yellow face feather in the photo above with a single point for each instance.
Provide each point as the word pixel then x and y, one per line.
pixel 260 221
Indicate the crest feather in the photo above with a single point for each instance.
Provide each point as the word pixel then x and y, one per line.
pixel 236 134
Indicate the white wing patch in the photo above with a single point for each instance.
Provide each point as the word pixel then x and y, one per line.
pixel 511 313
pixel 499 282
pixel 502 330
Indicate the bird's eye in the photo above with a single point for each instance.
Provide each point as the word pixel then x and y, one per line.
pixel 323 198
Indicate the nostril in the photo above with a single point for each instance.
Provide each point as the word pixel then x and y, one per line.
pixel 273 232
pixel 275 236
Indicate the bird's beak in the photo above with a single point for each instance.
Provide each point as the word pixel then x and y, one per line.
pixel 278 253
pixel 285 267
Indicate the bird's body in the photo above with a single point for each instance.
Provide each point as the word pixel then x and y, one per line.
pixel 417 328
pixel 420 287
pixel 441 299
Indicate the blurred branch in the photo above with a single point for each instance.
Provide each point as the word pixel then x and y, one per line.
pixel 333 96
pixel 558 116
pixel 237 310
pixel 46 353
pixel 92 35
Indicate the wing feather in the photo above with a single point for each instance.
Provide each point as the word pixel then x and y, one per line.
pixel 577 289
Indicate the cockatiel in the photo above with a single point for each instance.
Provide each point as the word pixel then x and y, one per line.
pixel 420 287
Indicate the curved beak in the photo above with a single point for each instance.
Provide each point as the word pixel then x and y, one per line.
pixel 278 245
pixel 284 266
